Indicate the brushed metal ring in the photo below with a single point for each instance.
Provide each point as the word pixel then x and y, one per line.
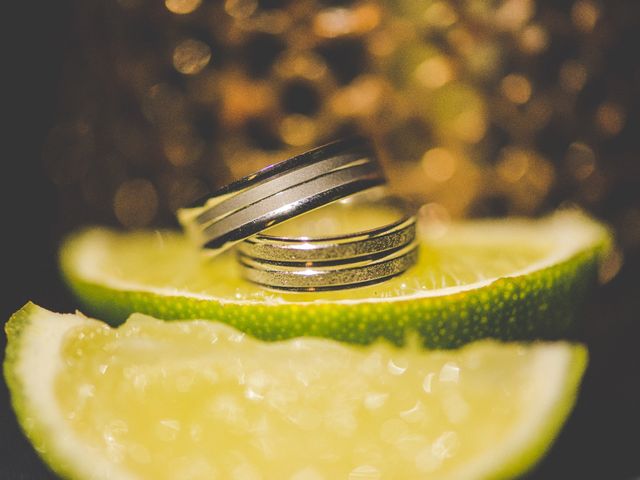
pixel 322 278
pixel 337 248
pixel 281 192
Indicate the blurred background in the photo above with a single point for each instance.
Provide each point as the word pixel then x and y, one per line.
pixel 122 111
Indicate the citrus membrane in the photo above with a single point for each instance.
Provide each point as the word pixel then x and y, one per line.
pixel 201 400
pixel 509 279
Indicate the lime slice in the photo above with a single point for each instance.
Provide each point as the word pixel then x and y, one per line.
pixel 200 400
pixel 510 279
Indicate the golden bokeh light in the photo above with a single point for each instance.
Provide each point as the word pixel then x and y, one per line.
pixel 585 14
pixel 516 88
pixel 580 160
pixel 434 72
pixel 513 14
pixel 462 40
pixel 182 150
pixel 243 99
pixel 382 43
pixel 308 66
pixel 240 9
pixel 533 39
pixel 439 164
pixel 470 126
pixel 542 176
pixel 611 266
pixel 526 178
pixel 440 14
pixel 573 76
pixel 191 56
pixel 135 203
pixel 434 220
pixel 182 7
pixel 275 22
pixel 336 22
pixel 610 118
pixel 513 165
pixel 298 130
pixel 362 98
pixel 484 61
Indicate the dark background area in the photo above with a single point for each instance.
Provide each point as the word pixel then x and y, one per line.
pixel 601 439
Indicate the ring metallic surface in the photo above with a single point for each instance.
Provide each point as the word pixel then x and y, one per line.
pixel 322 278
pixel 289 203
pixel 276 184
pixel 335 249
pixel 281 192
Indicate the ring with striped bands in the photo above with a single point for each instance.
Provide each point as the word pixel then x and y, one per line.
pixel 335 262
pixel 281 192
pixel 315 277
pixel 336 248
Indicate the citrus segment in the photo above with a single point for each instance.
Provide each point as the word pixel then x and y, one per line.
pixel 510 279
pixel 200 400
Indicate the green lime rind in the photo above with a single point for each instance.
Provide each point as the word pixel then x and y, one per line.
pixel 32 360
pixel 551 427
pixel 32 325
pixel 543 304
pixel 37 432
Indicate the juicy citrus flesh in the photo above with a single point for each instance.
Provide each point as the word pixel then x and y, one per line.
pixel 508 279
pixel 464 255
pixel 200 400
pixel 166 260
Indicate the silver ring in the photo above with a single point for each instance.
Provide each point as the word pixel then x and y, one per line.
pixel 321 278
pixel 345 248
pixel 287 179
pixel 281 192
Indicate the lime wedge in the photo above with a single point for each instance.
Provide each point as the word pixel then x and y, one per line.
pixel 509 279
pixel 200 400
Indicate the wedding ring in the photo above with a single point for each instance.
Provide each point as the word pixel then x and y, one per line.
pixel 355 258
pixel 290 178
pixel 351 251
pixel 337 248
pixel 321 278
pixel 281 192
